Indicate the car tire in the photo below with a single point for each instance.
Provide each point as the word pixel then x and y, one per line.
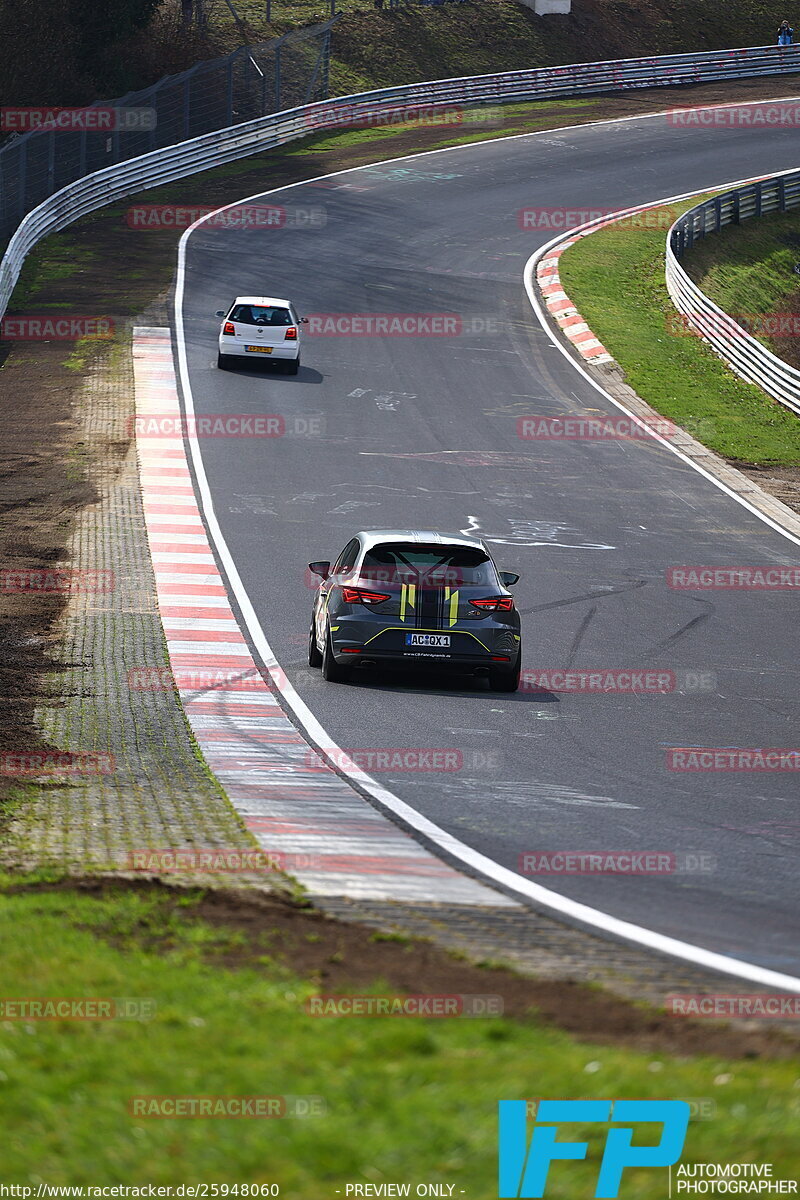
pixel 314 656
pixel 223 361
pixel 331 671
pixel 293 365
pixel 505 679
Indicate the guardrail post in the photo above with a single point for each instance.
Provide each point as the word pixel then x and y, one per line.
pixel 717 214
pixel 22 195
pixel 759 198
pixel 736 208
pixel 326 63
pixel 677 241
pixel 782 194
pixel 51 163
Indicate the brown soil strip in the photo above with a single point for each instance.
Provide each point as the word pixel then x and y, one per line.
pixel 341 958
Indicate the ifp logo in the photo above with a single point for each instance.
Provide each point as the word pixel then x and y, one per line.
pixel 524 1168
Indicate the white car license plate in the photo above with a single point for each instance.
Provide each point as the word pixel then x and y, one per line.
pixel 260 349
pixel 439 640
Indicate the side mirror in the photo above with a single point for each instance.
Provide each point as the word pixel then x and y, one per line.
pixel 304 320
pixel 509 578
pixel 323 569
pixel 220 312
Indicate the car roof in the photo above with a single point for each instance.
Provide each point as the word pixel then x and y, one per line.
pixel 265 300
pixel 376 537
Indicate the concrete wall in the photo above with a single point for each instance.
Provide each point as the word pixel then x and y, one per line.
pixel 543 7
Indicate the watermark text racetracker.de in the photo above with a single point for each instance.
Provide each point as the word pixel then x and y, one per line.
pixel 743 578
pixel 58 580
pixel 402 324
pixel 580 427
pixel 219 860
pixel 261 1107
pixel 599 681
pixel 616 862
pixel 55 764
pixel 433 575
pixel 204 680
pixel 571 218
pixel 412 116
pixel 732 758
pixel 92 119
pixel 154 217
pixel 733 325
pixel 757 115
pixel 77 1008
pixel 45 327
pixel 228 425
pixel 743 1005
pixel 406 759
pixel 459 1004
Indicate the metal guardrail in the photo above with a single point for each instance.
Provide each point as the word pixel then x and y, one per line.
pixel 165 165
pixel 743 352
pixel 251 82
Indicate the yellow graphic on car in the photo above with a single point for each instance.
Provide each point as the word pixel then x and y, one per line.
pixel 408 597
pixel 453 599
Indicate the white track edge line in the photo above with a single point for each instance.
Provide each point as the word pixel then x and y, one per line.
pixel 502 876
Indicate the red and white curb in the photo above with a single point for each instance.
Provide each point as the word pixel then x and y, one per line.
pixel 561 308
pixel 297 808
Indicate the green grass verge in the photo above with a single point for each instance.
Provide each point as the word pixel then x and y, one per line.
pixel 406 1099
pixel 616 279
pixel 748 268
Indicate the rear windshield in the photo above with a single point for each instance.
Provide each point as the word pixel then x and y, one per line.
pixel 256 314
pixel 428 566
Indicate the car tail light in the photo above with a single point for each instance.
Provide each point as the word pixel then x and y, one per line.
pixel 353 595
pixel 495 603
pixel 291 334
pixel 229 327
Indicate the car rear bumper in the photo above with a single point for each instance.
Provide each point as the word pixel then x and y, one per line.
pixel 362 642
pixel 237 348
pixel 445 666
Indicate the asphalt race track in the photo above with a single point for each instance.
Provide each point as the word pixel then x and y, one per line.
pixel 421 432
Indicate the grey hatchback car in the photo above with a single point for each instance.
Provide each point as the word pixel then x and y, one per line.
pixel 415 599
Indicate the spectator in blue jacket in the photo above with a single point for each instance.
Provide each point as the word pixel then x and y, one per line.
pixel 785 34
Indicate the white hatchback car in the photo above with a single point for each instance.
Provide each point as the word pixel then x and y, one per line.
pixel 260 325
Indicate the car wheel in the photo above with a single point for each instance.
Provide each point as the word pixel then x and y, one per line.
pixel 505 679
pixel 222 361
pixel 331 671
pixel 293 365
pixel 314 656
